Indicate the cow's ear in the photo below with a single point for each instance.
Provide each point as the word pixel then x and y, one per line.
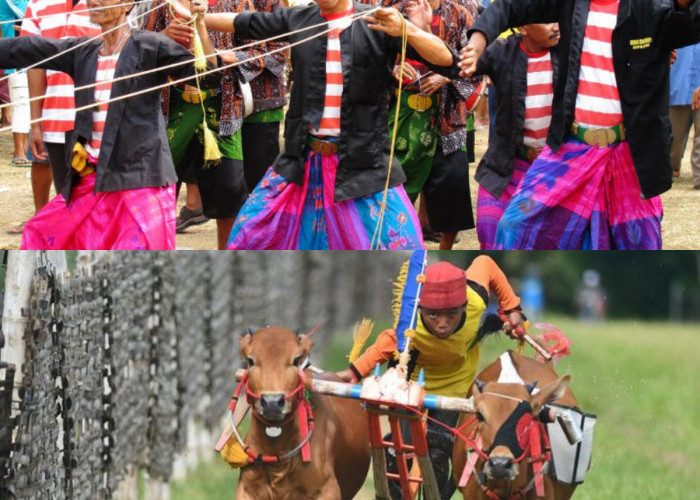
pixel 244 344
pixel 305 343
pixel 549 393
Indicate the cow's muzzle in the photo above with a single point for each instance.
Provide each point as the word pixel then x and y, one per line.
pixel 273 406
pixel 500 468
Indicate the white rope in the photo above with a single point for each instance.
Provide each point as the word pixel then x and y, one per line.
pixel 217 52
pixel 89 40
pixel 188 78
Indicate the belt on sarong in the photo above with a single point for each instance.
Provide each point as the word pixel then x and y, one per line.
pixel 322 147
pixel 528 153
pixel 417 102
pixel 81 162
pixel 599 137
pixel 197 97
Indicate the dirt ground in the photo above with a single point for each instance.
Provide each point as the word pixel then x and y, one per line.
pixel 680 226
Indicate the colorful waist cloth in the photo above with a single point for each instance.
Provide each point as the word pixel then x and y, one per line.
pixel 185 122
pixel 489 210
pixel 135 219
pixel 266 116
pixel 284 216
pixel 416 139
pixel 581 197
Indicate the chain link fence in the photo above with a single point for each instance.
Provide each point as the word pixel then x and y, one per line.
pixel 128 351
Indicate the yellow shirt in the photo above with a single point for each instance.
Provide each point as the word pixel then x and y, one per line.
pixel 449 365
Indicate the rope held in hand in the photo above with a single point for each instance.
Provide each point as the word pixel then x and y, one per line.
pixel 376 237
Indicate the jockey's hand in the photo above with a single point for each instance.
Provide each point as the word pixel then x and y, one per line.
pixel 684 4
pixel 36 142
pixel 469 56
pixel 410 74
pixel 674 54
pixel 696 98
pixel 432 83
pixel 420 13
pixel 515 326
pixel 181 33
pixel 347 376
pixel 387 20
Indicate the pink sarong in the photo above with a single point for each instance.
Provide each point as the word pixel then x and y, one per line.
pixel 134 219
pixel 581 198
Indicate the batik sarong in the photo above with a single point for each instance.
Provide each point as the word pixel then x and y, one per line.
pixel 489 210
pixel 134 219
pixel 581 197
pixel 279 215
pixel 416 139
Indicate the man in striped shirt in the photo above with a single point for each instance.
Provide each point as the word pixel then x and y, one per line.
pixel 597 183
pixel 52 19
pixel 522 68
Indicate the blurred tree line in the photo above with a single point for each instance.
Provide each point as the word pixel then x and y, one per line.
pixel 645 285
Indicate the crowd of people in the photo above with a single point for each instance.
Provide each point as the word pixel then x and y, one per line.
pixel 378 131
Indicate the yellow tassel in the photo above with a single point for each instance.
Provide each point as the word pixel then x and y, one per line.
pixel 200 63
pixel 399 285
pixel 212 153
pixel 363 330
pixel 233 453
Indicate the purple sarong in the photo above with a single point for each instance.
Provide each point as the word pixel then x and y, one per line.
pixel 581 197
pixel 489 210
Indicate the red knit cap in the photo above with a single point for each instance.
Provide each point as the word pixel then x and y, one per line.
pixel 444 287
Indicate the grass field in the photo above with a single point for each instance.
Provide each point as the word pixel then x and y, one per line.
pixel 641 379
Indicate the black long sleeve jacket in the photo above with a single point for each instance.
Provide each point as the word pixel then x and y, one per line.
pixel 646 32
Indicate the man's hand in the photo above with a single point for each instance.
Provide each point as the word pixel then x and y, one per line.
pixel 515 326
pixel 36 142
pixel 433 82
pixel 387 20
pixel 228 57
pixel 469 56
pixel 199 8
pixel 420 13
pixel 410 74
pixel 696 98
pixel 181 33
pixel 684 4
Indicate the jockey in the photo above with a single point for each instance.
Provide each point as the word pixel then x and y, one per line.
pixel 446 345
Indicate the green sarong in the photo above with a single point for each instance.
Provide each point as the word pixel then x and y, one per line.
pixel 416 139
pixel 185 122
pixel 266 116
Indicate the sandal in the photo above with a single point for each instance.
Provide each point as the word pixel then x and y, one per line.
pixel 18 229
pixel 20 162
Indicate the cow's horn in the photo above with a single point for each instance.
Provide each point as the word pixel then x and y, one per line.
pixel 531 387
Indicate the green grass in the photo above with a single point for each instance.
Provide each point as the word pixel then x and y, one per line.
pixel 642 381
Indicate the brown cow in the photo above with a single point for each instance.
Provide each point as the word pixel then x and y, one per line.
pixel 339 443
pixel 506 472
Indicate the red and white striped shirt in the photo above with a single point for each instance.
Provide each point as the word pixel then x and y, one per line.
pixel 330 120
pixel 105 74
pixel 58 19
pixel 598 100
pixel 538 101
